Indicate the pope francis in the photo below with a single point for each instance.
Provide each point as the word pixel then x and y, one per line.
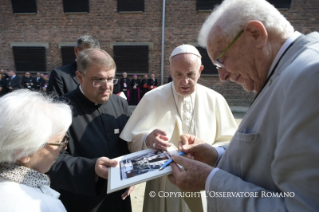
pixel 177 108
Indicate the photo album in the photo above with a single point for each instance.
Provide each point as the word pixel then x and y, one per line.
pixel 139 167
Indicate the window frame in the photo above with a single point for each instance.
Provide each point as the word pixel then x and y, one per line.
pixel 200 7
pixel 206 58
pixel 30 68
pixel 118 63
pixel 67 61
pixel 71 9
pixel 15 6
pixel 124 9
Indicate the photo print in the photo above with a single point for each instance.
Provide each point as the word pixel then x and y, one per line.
pixel 141 164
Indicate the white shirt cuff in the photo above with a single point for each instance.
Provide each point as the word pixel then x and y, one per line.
pixel 144 139
pixel 209 178
pixel 220 151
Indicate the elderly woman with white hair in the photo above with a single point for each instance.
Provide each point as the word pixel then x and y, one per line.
pixel 33 132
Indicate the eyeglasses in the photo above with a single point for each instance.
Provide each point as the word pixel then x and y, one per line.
pixel 219 64
pixel 62 145
pixel 100 82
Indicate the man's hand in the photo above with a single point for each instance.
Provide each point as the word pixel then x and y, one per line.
pixel 194 175
pixel 198 149
pixel 102 166
pixel 127 192
pixel 157 139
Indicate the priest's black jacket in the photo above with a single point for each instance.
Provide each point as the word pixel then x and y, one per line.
pixel 122 81
pixel 94 133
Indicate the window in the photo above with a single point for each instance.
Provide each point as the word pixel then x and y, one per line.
pixel 209 67
pixel 280 4
pixel 205 5
pixel 67 53
pixel 24 6
pixel 76 6
pixel 131 59
pixel 30 59
pixel 130 5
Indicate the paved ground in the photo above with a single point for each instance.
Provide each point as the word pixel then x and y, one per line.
pixel 137 196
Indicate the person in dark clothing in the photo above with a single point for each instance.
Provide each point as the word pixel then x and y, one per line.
pixel 14 81
pixel 144 85
pixel 38 82
pixel 152 83
pixel 125 86
pixel 80 173
pixel 116 89
pixel 136 91
pixel 63 79
pixel 27 81
pixel 3 82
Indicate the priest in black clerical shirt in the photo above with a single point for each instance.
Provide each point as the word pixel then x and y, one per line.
pixel 80 173
pixel 125 86
pixel 144 85
pixel 152 83
pixel 27 80
pixel 136 91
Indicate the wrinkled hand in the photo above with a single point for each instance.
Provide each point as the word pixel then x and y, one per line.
pixel 102 166
pixel 157 139
pixel 194 175
pixel 198 149
pixel 127 192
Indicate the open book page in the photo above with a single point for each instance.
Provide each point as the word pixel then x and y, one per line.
pixel 139 167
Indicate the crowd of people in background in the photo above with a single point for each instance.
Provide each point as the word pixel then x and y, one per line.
pixel 10 81
pixel 134 89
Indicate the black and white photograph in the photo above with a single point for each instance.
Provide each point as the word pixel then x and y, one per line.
pixel 142 164
pixel 139 167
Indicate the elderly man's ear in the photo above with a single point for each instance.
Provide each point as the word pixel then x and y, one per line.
pixel 201 69
pixel 256 32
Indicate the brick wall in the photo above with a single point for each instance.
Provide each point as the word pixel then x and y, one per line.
pixel 183 22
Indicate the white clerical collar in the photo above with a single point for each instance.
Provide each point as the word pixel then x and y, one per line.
pixel 81 89
pixel 84 94
pixel 283 48
pixel 178 97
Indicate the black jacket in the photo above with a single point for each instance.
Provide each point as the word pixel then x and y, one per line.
pixel 94 133
pixel 26 80
pixel 63 80
pixel 14 83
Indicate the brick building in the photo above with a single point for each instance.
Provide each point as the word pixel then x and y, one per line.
pixel 41 31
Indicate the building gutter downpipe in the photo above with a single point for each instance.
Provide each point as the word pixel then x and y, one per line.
pixel 163 44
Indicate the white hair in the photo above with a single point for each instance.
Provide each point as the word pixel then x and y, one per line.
pixel 229 18
pixel 28 120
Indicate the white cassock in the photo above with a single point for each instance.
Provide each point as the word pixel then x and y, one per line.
pixel 205 113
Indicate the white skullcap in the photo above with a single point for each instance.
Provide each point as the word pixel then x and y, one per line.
pixel 185 49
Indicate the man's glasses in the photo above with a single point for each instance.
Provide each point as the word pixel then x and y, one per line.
pixel 62 145
pixel 219 64
pixel 100 82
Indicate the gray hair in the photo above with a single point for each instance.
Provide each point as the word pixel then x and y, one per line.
pixel 28 120
pixel 88 57
pixel 87 41
pixel 229 18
